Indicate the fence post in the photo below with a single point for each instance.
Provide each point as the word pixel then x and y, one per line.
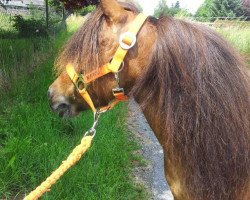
pixel 47 13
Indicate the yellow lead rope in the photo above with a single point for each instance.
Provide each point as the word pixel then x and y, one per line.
pixel 72 159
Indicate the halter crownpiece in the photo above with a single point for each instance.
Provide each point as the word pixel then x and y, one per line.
pixel 126 41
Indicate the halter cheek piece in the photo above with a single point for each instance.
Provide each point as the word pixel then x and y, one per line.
pixel 127 40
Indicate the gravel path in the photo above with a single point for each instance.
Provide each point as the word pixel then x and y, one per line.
pixel 152 175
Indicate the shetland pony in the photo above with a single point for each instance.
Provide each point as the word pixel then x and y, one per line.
pixel 192 87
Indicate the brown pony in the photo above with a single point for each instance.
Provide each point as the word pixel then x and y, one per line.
pixel 191 85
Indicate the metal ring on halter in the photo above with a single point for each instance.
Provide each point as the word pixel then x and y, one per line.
pixel 121 67
pixel 79 82
pixel 124 45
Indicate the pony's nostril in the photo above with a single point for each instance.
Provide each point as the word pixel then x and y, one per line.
pixel 63 109
pixel 63 106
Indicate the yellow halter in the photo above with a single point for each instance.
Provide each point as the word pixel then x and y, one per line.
pixel 126 41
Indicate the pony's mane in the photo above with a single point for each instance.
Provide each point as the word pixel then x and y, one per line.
pixel 200 90
pixel 82 50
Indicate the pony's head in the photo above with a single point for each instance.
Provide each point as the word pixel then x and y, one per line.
pixel 94 45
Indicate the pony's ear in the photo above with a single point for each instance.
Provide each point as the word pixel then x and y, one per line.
pixel 112 10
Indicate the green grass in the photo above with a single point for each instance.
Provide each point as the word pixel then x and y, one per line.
pixel 239 37
pixel 5 21
pixel 20 56
pixel 34 141
pixel 6 26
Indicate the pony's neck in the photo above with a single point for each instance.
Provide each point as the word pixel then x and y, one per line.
pixel 150 113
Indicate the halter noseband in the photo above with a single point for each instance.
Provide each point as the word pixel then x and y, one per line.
pixel 127 41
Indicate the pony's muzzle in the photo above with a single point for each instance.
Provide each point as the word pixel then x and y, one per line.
pixel 59 105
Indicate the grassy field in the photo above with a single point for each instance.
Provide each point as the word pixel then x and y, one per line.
pixel 5 22
pixel 19 57
pixel 240 38
pixel 34 141
pixel 6 25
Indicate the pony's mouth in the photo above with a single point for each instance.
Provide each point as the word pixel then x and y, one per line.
pixel 63 110
pixel 60 105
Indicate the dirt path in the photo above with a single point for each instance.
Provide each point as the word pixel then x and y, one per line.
pixel 152 175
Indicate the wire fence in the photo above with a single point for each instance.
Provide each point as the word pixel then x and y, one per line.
pixel 35 18
pixel 243 18
pixel 220 22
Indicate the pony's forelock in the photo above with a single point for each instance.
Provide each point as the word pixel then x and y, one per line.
pixel 82 50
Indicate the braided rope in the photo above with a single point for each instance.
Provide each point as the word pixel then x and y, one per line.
pixel 72 159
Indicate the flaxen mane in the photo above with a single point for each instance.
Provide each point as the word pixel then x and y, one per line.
pixel 204 105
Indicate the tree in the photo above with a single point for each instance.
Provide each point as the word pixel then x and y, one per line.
pixel 220 8
pixel 183 13
pixel 205 10
pixel 177 5
pixel 56 5
pixel 227 8
pixel 161 9
pixel 78 4
pixel 86 10
pixel 174 9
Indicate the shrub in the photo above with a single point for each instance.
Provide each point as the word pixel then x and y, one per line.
pixel 7 34
pixel 30 27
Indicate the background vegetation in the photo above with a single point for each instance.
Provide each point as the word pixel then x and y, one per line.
pixel 174 10
pixel 229 17
pixel 210 10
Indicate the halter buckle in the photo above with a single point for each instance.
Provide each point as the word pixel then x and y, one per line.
pixel 125 35
pixel 80 81
pixel 117 91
